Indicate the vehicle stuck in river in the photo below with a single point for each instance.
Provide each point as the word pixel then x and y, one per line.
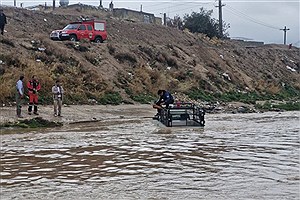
pixel 182 114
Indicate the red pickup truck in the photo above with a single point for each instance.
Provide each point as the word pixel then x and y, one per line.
pixel 90 29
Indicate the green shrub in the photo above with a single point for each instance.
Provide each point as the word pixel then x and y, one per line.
pixel 94 59
pixel 142 98
pixel 288 106
pixel 111 49
pixel 8 42
pixel 249 97
pixel 122 57
pixel 46 99
pixel 287 93
pixel 266 106
pixel 76 97
pixel 31 123
pixel 197 94
pixel 111 98
pixel 82 47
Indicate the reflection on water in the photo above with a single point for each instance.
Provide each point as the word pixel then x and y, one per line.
pixel 249 156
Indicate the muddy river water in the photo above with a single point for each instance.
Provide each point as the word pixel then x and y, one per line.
pixel 235 156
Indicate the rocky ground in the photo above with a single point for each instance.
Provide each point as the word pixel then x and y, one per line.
pixel 89 113
pixel 136 60
pixel 81 113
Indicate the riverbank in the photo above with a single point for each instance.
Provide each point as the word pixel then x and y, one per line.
pixel 88 113
pixel 80 113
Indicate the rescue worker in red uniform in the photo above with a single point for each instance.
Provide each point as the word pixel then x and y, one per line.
pixel 33 86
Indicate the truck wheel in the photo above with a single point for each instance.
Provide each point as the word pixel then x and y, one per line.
pixel 98 40
pixel 73 38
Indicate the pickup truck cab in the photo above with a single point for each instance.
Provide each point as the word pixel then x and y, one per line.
pixel 92 30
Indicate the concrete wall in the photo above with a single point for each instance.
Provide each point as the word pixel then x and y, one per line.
pixel 158 20
pixel 249 43
pixel 133 15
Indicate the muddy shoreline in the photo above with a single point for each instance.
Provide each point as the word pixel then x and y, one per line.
pixel 80 113
pixel 73 114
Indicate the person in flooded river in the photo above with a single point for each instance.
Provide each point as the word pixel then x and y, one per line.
pixel 165 99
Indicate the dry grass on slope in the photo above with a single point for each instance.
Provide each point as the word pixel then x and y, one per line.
pixel 136 60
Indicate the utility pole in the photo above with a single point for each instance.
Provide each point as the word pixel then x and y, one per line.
pixel 15 3
pixel 284 34
pixel 220 18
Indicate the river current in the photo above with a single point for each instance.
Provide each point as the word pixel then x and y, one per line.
pixel 235 156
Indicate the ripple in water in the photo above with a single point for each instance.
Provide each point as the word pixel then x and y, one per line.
pixel 248 156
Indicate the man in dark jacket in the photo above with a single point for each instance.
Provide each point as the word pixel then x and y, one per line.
pixel 165 98
pixel 2 21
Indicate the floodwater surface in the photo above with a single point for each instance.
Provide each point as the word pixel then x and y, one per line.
pixel 235 156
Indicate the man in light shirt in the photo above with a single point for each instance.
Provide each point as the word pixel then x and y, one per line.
pixel 19 96
pixel 58 92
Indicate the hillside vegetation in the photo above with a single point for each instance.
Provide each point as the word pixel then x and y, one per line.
pixel 137 60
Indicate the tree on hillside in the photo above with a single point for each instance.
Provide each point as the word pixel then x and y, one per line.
pixel 176 22
pixel 202 22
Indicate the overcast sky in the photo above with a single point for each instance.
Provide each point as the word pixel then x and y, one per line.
pixel 259 20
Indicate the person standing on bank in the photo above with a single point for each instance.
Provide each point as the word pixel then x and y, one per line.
pixel 19 95
pixel 33 86
pixel 58 92
pixel 2 21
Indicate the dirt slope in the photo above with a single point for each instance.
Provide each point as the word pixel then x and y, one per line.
pixel 137 59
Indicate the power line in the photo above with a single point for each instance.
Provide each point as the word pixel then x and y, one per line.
pixel 155 5
pixel 174 11
pixel 243 15
pixel 180 5
pixel 284 36
pixel 168 7
pixel 220 5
